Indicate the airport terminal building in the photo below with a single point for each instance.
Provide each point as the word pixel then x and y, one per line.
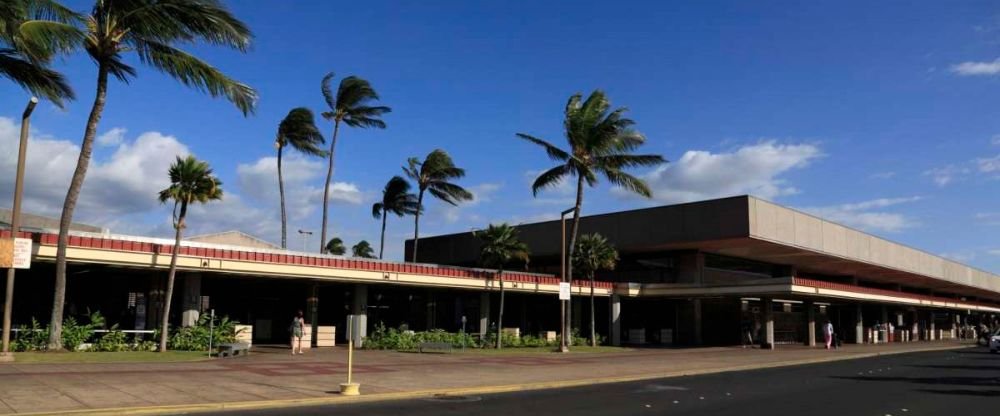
pixel 691 274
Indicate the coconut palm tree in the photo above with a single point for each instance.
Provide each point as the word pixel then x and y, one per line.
pixel 191 181
pixel 593 252
pixel 600 143
pixel 500 246
pixel 351 106
pixel 335 246
pixel 433 175
pixel 32 32
pixel 363 249
pixel 298 130
pixel 152 29
pixel 396 199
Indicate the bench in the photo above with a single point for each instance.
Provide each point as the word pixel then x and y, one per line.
pixel 233 349
pixel 434 346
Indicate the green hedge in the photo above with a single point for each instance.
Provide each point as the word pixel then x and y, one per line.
pixel 383 338
pixel 194 338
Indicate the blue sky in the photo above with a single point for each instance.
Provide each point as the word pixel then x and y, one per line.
pixel 876 115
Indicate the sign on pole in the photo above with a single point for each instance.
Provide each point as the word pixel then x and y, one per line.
pixel 22 253
pixel 563 291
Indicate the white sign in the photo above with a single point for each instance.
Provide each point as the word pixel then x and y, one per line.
pixel 22 253
pixel 563 291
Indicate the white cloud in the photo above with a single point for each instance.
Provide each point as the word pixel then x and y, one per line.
pixel 883 175
pixel 988 218
pixel 972 68
pixel 995 252
pixel 945 175
pixel 753 169
pixel 995 140
pixel 259 180
pixel 868 215
pixel 989 164
pixel 111 137
pixel 961 256
pixel 126 184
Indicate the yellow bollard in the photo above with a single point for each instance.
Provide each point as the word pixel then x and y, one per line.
pixel 349 388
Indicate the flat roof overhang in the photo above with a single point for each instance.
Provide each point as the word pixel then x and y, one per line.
pixel 203 259
pixel 801 288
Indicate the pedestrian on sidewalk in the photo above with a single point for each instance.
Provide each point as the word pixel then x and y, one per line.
pixel 295 330
pixel 828 333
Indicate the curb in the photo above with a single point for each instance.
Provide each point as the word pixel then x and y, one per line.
pixel 377 397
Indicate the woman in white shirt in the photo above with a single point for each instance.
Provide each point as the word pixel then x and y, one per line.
pixel 828 333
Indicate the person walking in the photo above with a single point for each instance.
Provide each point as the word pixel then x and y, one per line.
pixel 295 330
pixel 828 333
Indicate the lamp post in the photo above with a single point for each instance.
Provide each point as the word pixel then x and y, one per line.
pixel 305 236
pixel 564 316
pixel 15 225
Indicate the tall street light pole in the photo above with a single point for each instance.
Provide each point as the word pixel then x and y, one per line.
pixel 564 305
pixel 305 236
pixel 15 225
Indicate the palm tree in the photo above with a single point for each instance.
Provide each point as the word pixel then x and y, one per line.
pixel 396 199
pixel 32 32
pixel 335 246
pixel 191 181
pixel 351 106
pixel 593 252
pixel 600 142
pixel 499 246
pixel 363 249
pixel 151 29
pixel 433 175
pixel 297 129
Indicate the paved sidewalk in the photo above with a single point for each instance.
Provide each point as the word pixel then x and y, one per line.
pixel 273 374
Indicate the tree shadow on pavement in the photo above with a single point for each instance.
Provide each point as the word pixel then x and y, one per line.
pixel 974 393
pixel 955 381
pixel 960 367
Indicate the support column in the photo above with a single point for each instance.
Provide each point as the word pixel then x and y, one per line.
pixel 859 326
pixel 431 313
pixel 312 314
pixel 615 325
pixel 577 313
pixel 932 334
pixel 484 314
pixel 810 323
pixel 696 305
pixel 885 323
pixel 915 327
pixel 360 311
pixel 767 340
pixel 191 301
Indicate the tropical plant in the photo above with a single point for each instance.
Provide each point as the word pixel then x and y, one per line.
pixel 363 249
pixel 351 106
pixel 396 199
pixel 593 252
pixel 433 175
pixel 198 336
pixel 152 29
pixel 499 246
pixel 335 246
pixel 298 130
pixel 600 143
pixel 32 32
pixel 191 181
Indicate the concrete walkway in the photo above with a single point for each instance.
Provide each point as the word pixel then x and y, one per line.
pixel 274 375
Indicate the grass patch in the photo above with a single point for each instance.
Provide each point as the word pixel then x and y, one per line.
pixel 107 357
pixel 535 350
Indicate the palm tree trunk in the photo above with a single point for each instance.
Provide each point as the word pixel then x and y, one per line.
pixel 574 229
pixel 281 192
pixel 165 319
pixel 416 224
pixel 593 330
pixel 326 189
pixel 500 317
pixel 86 147
pixel 381 246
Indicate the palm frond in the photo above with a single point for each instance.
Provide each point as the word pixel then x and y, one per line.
pixel 181 20
pixel 449 192
pixel 554 152
pixel 45 82
pixel 377 210
pixel 197 74
pixel 298 129
pixel 628 182
pixel 551 178
pixel 42 39
pixel 328 96
pixel 621 161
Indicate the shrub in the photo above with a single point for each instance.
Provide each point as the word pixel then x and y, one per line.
pixel 196 337
pixel 33 338
pixel 112 341
pixel 383 338
pixel 75 334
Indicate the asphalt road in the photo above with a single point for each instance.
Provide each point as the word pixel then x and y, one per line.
pixel 965 382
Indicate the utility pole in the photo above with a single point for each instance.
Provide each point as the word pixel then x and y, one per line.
pixel 565 305
pixel 15 225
